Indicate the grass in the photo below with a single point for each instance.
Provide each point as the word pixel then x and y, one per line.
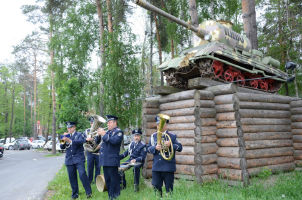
pixel 279 186
pixel 51 155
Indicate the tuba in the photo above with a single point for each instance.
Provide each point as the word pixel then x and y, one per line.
pixel 166 152
pixel 91 146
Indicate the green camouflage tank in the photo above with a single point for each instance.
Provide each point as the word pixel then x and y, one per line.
pixel 223 55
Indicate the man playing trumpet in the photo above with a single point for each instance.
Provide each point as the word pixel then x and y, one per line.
pixel 75 159
pixel 137 152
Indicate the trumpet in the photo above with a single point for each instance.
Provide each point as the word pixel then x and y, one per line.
pixel 62 136
pixel 166 152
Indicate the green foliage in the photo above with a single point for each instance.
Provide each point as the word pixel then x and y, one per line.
pixel 120 77
pixel 265 173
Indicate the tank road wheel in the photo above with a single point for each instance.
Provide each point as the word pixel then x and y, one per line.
pixel 263 85
pixel 218 68
pixel 254 83
pixel 229 75
pixel 240 79
pixel 271 84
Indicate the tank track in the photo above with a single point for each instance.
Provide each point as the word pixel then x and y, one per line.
pixel 215 70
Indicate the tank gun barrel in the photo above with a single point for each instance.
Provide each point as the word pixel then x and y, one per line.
pixel 199 32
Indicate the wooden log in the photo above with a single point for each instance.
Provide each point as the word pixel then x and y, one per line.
pixel 189 94
pixel 228 142
pixel 263 121
pixel 151 125
pixel 187 141
pixel 150 111
pixel 229 133
pixel 207 112
pixel 249 113
pixel 206 95
pixel 182 119
pixel 177 105
pixel 298 154
pixel 149 118
pixel 208 130
pixel 206 139
pixel 297 125
pixel 223 108
pixel 295 104
pixel 208 122
pixel 296 111
pixel 208 178
pixel 298 163
pixel 231 152
pixel 269 161
pixel 263 106
pixel 264 98
pixel 296 118
pixel 225 99
pixel 297 131
pixel 205 159
pixel 207 104
pixel 149 132
pixel 267 136
pixel 165 90
pixel 233 163
pixel 200 83
pixel 275 168
pixel 233 174
pixel 228 116
pixel 297 138
pixel 269 152
pixel 184 133
pixel 151 104
pixel 206 148
pixel 179 112
pixel 206 169
pixel 223 89
pixel 260 144
pixel 148 173
pixel 181 126
pixel 186 150
pixel 185 159
pixel 185 169
pixel 265 128
pixel 227 124
pixel 297 146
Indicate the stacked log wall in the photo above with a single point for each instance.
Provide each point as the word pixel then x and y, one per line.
pixel 231 147
pixel 206 147
pixel 296 125
pixel 266 126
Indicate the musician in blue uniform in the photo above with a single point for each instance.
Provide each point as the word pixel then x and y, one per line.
pixel 93 158
pixel 137 152
pixel 109 155
pixel 163 170
pixel 75 159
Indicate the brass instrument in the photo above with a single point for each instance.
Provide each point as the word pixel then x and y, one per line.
pixel 62 136
pixel 91 146
pixel 166 152
pixel 100 183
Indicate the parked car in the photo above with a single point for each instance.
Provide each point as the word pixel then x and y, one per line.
pixel 1 150
pixel 40 137
pixel 22 144
pixel 10 145
pixel 3 141
pixel 37 144
pixel 48 146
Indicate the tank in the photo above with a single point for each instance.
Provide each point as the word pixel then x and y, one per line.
pixel 221 54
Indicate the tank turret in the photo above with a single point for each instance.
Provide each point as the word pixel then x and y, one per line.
pixel 222 55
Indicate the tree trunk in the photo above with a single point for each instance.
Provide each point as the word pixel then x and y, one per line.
pixel 109 16
pixel 159 48
pixel 12 114
pixel 249 21
pixel 35 96
pixel 151 55
pixel 24 110
pixel 102 50
pixel 194 18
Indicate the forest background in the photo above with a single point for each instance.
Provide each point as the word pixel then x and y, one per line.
pixel 70 33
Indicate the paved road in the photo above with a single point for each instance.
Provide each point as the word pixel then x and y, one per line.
pixel 25 174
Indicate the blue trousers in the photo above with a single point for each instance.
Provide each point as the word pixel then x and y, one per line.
pixel 136 173
pixel 93 161
pixel 159 177
pixel 73 179
pixel 112 180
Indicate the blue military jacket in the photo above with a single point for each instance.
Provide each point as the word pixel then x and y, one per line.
pixel 136 151
pixel 75 151
pixel 160 164
pixel 110 147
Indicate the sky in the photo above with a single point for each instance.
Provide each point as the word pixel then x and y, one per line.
pixel 14 27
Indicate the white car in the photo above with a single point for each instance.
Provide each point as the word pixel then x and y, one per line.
pixel 48 146
pixel 10 145
pixel 2 140
pixel 37 144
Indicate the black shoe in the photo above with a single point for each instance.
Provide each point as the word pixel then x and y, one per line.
pixel 136 188
pixel 89 196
